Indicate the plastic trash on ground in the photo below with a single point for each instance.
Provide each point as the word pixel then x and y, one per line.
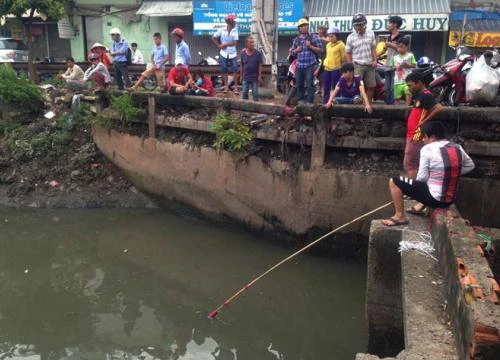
pixel 482 83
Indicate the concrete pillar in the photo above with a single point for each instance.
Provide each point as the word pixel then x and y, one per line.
pixel 384 308
pixel 318 148
pixel 152 116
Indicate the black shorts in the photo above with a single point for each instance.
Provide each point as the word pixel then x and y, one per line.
pixel 419 191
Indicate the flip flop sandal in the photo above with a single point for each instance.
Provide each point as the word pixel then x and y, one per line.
pixel 414 211
pixel 395 222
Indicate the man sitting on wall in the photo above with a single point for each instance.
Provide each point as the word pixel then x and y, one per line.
pixel 179 78
pixel 441 164
pixel 73 72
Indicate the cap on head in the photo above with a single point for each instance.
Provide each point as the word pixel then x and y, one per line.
pixel 231 17
pixel 302 22
pixel 333 31
pixel 179 32
pixel 115 31
pixel 179 61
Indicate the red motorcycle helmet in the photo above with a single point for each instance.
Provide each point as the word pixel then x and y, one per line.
pixel 230 17
pixel 179 32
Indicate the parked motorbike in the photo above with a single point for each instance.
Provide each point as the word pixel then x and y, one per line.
pixel 380 75
pixel 449 87
pixel 217 81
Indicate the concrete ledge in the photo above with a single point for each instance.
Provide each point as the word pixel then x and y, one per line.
pixel 425 318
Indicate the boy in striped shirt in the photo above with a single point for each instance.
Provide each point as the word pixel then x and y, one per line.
pixel 441 165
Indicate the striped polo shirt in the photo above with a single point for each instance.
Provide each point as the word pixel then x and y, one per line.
pixel 361 46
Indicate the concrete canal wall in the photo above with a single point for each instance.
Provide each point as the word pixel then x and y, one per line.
pixel 269 196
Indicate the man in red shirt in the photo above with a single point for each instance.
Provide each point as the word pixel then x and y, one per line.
pixel 424 109
pixel 179 78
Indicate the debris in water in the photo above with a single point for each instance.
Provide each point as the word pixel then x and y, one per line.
pixel 125 251
pixel 54 183
pixel 56 219
pixel 26 271
pixel 49 115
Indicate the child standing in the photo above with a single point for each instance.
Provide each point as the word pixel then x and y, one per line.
pixel 350 89
pixel 335 57
pixel 251 69
pixel 402 63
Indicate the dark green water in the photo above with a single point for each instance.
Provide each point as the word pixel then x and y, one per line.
pixel 117 284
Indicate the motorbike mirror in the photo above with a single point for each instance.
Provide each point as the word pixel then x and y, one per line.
pixel 199 53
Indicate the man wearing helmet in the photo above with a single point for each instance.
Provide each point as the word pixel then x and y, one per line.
pixel 226 40
pixel 360 50
pixel 181 48
pixel 393 25
pixel 118 52
pixel 307 47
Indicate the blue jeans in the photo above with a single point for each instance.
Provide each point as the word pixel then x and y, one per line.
pixel 305 78
pixel 345 100
pixel 330 80
pixel 389 87
pixel 255 89
pixel 228 65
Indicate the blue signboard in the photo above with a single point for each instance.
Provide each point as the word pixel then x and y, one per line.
pixel 208 15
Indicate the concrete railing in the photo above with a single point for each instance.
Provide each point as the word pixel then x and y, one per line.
pixel 392 122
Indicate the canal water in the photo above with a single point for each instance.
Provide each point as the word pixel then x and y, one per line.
pixel 138 284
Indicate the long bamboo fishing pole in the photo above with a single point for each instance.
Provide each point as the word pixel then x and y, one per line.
pixel 214 313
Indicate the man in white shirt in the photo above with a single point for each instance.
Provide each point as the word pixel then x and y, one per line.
pixel 441 165
pixel 137 57
pixel 226 40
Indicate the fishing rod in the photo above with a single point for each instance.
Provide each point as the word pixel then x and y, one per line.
pixel 214 313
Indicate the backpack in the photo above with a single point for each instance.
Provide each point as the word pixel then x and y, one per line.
pixel 129 56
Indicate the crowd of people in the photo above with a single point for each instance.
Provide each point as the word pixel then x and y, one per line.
pixel 348 69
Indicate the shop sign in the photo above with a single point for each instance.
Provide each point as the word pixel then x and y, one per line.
pixel 411 22
pixel 474 39
pixel 208 15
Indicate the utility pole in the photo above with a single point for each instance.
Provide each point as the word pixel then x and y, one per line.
pixel 265 31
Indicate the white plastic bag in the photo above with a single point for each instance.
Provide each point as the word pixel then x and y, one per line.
pixel 482 82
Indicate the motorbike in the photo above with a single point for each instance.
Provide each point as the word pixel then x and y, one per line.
pixel 217 81
pixel 449 87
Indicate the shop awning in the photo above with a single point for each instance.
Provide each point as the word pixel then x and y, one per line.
pixel 375 7
pixel 418 15
pixel 166 8
pixel 476 33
